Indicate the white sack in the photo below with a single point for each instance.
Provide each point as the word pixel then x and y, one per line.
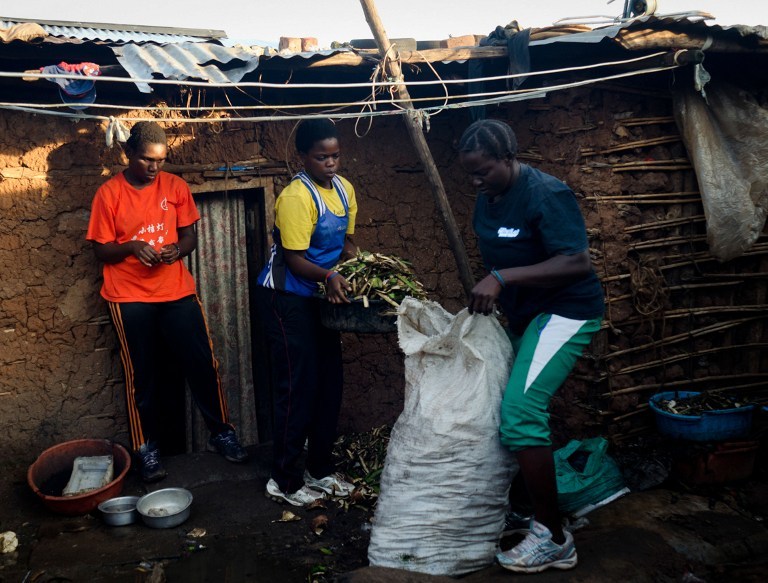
pixel 446 476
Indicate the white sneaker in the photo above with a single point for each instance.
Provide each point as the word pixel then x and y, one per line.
pixel 333 485
pixel 301 497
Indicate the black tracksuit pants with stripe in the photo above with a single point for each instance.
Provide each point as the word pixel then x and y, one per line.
pixel 308 386
pixel 149 332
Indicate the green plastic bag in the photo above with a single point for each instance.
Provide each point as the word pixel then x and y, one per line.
pixel 586 474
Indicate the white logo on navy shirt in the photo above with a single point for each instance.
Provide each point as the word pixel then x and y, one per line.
pixel 508 232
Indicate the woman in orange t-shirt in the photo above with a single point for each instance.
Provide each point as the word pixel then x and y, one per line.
pixel 142 223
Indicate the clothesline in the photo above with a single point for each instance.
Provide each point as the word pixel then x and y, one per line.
pixel 264 85
pixel 213 108
pixel 491 98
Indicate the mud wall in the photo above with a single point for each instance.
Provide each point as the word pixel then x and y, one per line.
pixel 676 318
pixel 60 376
pixel 57 371
pixel 60 373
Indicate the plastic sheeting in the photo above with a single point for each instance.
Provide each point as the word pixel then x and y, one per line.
pixel 725 134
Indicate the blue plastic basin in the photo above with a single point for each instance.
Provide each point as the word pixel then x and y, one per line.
pixel 717 425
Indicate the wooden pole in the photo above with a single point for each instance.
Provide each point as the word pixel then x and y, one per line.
pixel 413 124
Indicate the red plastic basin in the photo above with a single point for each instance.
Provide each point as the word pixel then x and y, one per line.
pixel 50 472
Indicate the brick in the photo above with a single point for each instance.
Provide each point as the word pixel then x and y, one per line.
pixel 290 43
pixel 308 44
pixel 467 40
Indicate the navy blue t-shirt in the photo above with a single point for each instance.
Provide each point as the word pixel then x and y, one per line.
pixel 535 220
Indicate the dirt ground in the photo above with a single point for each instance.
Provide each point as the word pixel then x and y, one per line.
pixel 244 539
pixel 668 533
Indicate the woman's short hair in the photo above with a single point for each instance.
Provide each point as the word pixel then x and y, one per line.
pixel 144 133
pixel 314 130
pixel 493 137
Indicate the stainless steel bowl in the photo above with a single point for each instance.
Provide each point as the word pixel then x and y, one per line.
pixel 119 511
pixel 165 508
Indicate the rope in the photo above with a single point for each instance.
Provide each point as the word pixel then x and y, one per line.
pixel 492 98
pixel 649 293
pixel 442 84
pixel 16 74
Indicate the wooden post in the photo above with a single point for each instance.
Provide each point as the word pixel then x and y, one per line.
pixel 422 149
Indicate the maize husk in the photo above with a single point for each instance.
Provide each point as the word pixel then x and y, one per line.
pixel 375 276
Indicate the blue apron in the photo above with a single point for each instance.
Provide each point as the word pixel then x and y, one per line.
pixel 325 244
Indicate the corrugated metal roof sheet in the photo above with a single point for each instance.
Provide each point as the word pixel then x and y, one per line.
pixel 661 22
pixel 118 35
pixel 149 54
pixel 114 33
pixel 186 61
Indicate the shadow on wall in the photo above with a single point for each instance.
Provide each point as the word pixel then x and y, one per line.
pixel 74 386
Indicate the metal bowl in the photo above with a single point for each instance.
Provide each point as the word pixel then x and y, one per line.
pixel 119 511
pixel 165 508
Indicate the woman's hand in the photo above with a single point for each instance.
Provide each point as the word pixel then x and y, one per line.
pixel 146 254
pixel 336 289
pixel 170 253
pixel 116 252
pixel 483 296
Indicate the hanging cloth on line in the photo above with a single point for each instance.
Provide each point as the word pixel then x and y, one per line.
pixel 74 91
pixel 516 41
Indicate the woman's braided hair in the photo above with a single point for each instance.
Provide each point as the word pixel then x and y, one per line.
pixel 490 136
pixel 144 133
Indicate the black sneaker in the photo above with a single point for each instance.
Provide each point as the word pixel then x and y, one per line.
pixel 151 468
pixel 228 445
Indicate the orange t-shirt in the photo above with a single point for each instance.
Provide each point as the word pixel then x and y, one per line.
pixel 121 213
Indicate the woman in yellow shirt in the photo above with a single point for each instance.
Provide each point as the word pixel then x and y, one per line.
pixel 314 221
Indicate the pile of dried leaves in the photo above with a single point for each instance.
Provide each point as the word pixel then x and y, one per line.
pixel 360 457
pixel 374 276
pixel 695 405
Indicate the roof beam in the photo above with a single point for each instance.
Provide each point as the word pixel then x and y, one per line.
pixel 360 57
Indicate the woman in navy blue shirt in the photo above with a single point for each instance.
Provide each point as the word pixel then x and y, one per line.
pixel 533 242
